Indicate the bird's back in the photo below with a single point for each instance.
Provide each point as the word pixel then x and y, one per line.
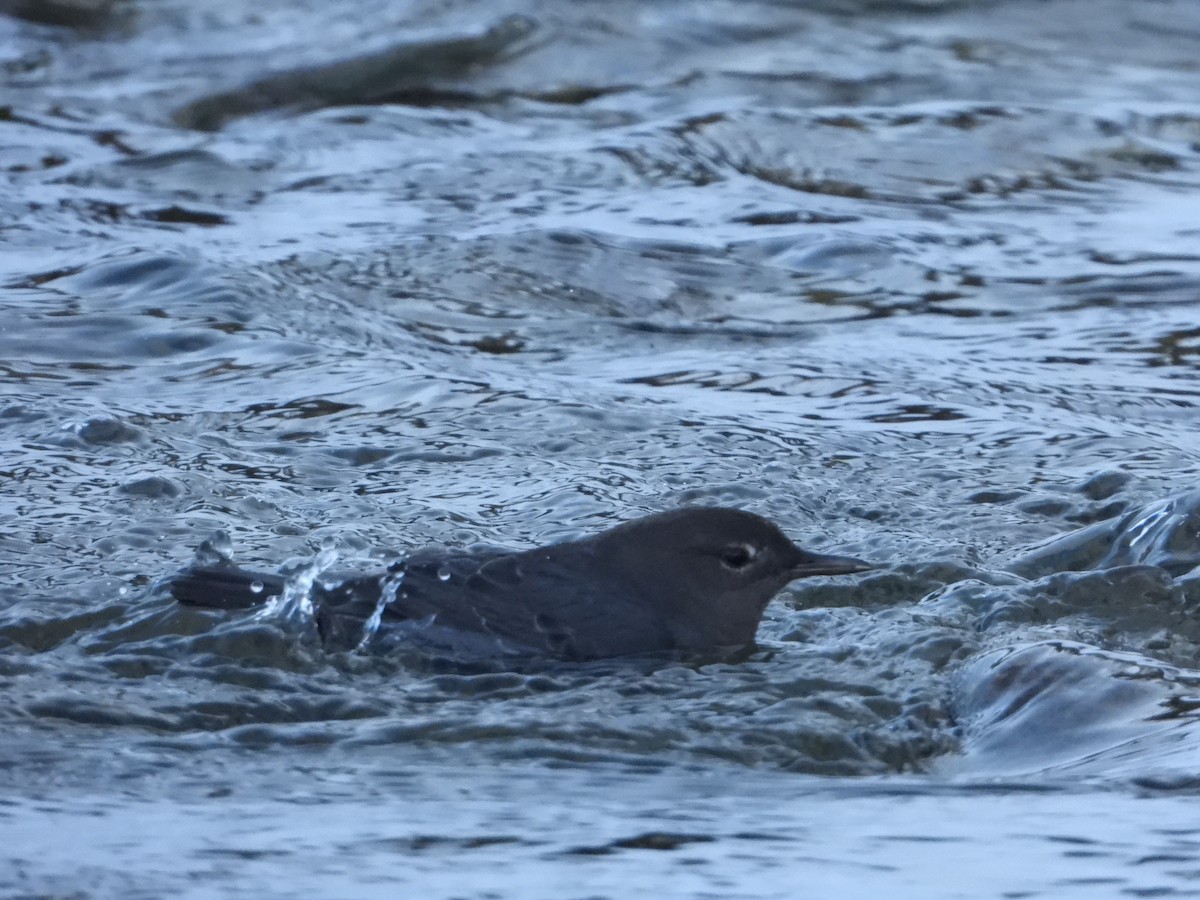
pixel 559 601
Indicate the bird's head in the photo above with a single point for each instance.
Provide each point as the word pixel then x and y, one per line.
pixel 712 571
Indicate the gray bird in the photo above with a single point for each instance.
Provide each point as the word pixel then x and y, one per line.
pixel 688 580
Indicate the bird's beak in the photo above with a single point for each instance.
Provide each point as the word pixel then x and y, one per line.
pixel 815 564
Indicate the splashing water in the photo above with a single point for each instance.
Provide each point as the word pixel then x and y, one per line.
pixel 391 587
pixel 1146 529
pixel 296 599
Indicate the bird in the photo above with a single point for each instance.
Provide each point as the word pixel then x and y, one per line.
pixel 688 580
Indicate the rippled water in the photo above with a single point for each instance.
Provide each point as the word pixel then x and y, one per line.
pixel 918 281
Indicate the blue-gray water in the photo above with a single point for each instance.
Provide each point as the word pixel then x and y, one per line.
pixel 918 281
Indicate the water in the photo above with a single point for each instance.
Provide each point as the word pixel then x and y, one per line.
pixel 919 283
pixel 686 837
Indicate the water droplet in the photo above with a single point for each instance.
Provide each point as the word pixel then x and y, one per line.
pixel 444 573
pixel 256 587
pixel 218 548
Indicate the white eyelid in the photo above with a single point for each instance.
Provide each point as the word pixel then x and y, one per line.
pixel 750 551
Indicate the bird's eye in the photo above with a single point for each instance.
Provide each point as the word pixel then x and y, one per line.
pixel 738 556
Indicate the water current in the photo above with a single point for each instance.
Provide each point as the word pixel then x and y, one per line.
pixel 332 282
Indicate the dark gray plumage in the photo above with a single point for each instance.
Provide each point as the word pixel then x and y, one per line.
pixel 691 579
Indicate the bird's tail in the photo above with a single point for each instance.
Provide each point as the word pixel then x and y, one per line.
pixel 225 586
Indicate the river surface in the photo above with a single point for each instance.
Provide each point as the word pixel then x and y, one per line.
pixel 334 281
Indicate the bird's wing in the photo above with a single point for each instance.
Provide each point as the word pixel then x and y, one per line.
pixel 554 600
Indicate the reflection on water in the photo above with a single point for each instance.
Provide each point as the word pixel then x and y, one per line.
pixel 915 281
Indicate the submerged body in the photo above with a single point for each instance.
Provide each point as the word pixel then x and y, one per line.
pixel 687 580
